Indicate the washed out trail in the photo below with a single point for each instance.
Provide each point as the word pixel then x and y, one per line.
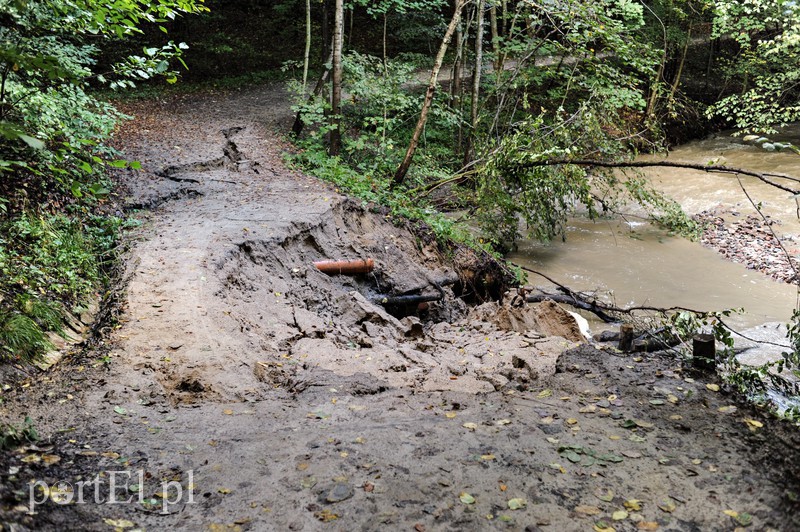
pixel 281 398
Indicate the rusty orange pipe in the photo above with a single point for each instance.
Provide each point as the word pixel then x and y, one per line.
pixel 345 267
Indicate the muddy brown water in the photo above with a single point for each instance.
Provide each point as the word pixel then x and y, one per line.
pixel 631 262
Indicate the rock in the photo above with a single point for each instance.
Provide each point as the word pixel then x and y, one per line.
pixel 606 336
pixel 339 492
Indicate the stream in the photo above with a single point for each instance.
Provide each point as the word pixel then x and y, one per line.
pixel 632 262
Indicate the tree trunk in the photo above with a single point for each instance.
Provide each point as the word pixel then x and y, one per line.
pixel 402 170
pixel 326 30
pixel 677 81
pixel 476 83
pixel 336 90
pixel 498 65
pixel 297 128
pixel 455 83
pixel 505 18
pixel 307 53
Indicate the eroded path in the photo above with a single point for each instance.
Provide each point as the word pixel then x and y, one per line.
pixel 280 398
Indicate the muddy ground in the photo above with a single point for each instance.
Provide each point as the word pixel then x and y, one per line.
pixel 275 397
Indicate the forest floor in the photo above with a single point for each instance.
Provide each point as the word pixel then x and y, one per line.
pixel 243 389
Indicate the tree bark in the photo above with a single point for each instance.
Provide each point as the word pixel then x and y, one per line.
pixel 476 83
pixel 326 29
pixel 336 90
pixel 297 128
pixel 677 81
pixel 498 65
pixel 402 170
pixel 307 53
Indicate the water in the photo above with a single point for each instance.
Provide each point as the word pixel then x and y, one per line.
pixel 635 263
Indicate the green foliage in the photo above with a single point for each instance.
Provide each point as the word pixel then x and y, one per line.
pixel 766 66
pixel 53 152
pixel 21 338
pixel 15 435
pixel 766 384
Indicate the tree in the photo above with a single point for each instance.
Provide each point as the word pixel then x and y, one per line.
pixel 53 151
pixel 767 33
pixel 47 55
pixel 336 80
pixel 402 170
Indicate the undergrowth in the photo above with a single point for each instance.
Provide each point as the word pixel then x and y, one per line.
pixel 50 263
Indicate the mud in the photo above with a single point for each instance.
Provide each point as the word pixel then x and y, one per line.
pixel 280 398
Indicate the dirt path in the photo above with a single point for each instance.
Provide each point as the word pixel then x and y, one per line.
pixel 279 398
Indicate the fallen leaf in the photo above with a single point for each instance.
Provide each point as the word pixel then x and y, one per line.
pixel 487 456
pixel 51 459
pixel 503 487
pixel 119 523
pixel 667 506
pixel 619 515
pixel 228 412
pixel 572 421
pixel 731 513
pixel 676 417
pixel 754 424
pixel 647 525
pixel 634 505
pixel 224 491
pixel 545 393
pixel 605 496
pixel 470 426
pixel 326 516
pixel 517 503
pixel 672 398
pixel 744 519
pixel 602 526
pixel 502 422
pixel 587 510
pixel 727 409
pixel 119 410
pixel 558 467
pixel 713 387
pixel 552 440
pixel 466 498
pixel 450 415
pixel 656 402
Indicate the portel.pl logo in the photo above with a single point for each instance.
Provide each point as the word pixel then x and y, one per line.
pixel 111 487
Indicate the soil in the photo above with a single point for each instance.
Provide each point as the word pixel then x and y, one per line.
pixel 278 397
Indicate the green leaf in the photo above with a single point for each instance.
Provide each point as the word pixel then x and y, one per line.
pixel 517 504
pixel 34 143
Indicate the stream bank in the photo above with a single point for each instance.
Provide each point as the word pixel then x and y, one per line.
pixel 278 397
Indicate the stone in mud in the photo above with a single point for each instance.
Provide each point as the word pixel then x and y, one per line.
pixel 607 336
pixel 354 308
pixel 338 493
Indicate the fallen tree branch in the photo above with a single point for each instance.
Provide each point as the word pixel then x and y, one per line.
pixel 593 303
pixel 591 306
pixel 669 164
